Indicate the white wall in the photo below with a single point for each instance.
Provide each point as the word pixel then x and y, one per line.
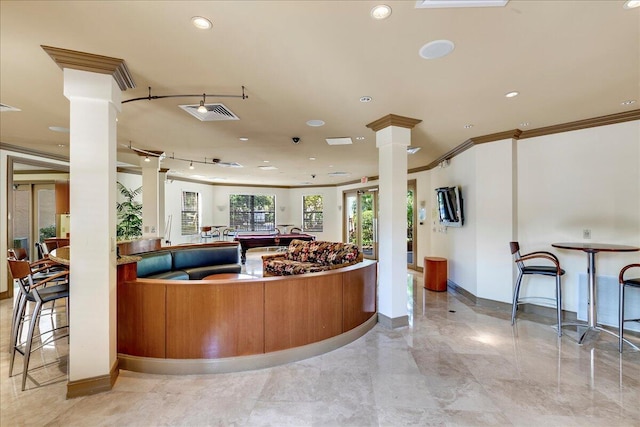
pixel 458 245
pixel 585 179
pixel 495 219
pixel 215 205
pixel 540 191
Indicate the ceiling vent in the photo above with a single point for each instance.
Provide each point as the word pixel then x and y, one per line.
pixel 5 107
pixel 339 141
pixel 215 112
pixel 433 4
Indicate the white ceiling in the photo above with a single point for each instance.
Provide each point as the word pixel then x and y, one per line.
pixel 304 60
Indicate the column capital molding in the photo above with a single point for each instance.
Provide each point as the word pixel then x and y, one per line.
pixel 83 61
pixel 393 120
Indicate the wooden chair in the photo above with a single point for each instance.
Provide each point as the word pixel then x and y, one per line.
pixel 624 283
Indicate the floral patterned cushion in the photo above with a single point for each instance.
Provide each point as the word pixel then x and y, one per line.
pixel 310 257
pixel 285 267
pixel 324 253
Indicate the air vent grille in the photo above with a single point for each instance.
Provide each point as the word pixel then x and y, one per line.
pixel 215 112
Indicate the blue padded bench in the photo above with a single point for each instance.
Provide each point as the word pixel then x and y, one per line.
pixel 189 263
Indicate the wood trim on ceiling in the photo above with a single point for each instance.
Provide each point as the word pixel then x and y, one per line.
pixel 610 119
pixel 83 61
pixel 32 152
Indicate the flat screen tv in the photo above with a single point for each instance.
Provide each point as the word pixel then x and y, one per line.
pixel 450 206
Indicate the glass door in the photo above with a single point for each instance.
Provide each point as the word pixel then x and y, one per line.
pixel 411 225
pixel 361 220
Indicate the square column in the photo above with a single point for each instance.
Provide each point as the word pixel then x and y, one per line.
pixel 94 105
pixel 393 136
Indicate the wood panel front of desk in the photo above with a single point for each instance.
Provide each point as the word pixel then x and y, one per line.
pixel 215 320
pixel 181 319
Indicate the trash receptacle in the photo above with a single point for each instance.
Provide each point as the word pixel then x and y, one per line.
pixel 435 274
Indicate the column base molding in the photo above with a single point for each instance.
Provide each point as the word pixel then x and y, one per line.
pixel 89 386
pixel 396 322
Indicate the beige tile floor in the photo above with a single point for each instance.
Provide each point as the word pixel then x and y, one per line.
pixel 456 365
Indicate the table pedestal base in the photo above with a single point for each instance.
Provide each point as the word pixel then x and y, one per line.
pixel 586 333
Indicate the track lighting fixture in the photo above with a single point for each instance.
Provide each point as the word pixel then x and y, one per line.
pixel 202 109
pixel 191 165
pixel 147 159
pixel 204 95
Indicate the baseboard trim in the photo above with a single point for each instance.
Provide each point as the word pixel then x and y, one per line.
pixel 396 322
pixel 538 310
pixel 152 365
pixel 95 385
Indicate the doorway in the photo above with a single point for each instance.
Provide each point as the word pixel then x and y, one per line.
pixel 361 220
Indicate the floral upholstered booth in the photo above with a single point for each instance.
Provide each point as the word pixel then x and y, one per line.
pixel 310 257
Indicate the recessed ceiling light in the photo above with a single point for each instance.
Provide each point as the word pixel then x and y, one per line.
pixel 366 99
pixel 265 161
pixel 59 129
pixel 61 145
pixel 201 23
pixel 242 138
pixel 512 94
pixel 436 49
pixel 524 124
pixel 381 11
pixel 631 4
pixel 468 126
pixel 268 168
pixel 629 101
pixel 315 123
pixel 312 158
pixel 359 138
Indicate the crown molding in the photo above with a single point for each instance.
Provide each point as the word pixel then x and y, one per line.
pixel 83 61
pixel 610 119
pixel 32 152
pixel 393 120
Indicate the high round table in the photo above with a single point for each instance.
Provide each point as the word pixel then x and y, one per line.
pixel 591 250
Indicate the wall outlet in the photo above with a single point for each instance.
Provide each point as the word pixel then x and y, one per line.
pixel 586 233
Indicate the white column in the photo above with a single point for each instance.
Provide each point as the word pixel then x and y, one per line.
pixel 94 104
pixel 392 143
pixel 150 196
pixel 162 181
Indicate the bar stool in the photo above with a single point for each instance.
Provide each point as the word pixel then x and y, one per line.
pixel 545 270
pixel 623 284
pixel 38 293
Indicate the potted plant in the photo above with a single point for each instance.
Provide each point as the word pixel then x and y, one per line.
pixel 129 214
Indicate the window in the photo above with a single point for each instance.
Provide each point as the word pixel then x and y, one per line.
pixel 249 212
pixel 312 213
pixel 190 212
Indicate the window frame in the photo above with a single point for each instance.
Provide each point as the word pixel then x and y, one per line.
pixel 194 228
pixel 311 216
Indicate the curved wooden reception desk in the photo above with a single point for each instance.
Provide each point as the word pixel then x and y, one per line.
pixel 209 326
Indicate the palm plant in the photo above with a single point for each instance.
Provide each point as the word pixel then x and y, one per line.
pixel 129 214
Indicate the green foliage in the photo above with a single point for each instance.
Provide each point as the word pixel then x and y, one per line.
pixel 47 232
pixel 129 214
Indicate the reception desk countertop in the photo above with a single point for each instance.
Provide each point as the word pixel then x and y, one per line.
pixel 61 256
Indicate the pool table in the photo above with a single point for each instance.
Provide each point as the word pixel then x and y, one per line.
pixel 249 241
